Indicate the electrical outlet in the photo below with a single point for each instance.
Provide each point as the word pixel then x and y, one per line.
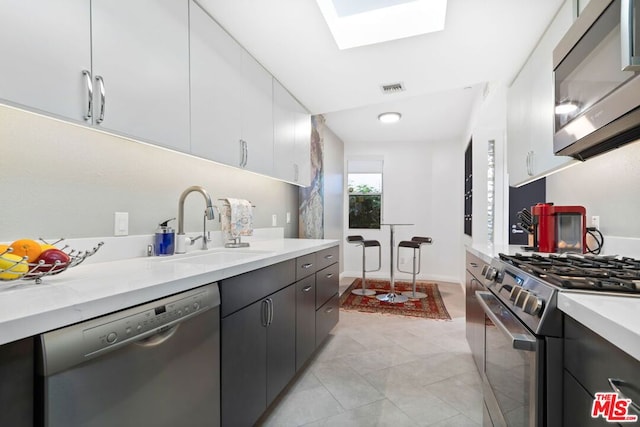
pixel 121 224
pixel 274 220
pixel 595 222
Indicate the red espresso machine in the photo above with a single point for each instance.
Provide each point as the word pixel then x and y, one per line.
pixel 559 228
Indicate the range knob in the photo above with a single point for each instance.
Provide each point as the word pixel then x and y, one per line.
pixel 491 274
pixel 532 305
pixel 515 292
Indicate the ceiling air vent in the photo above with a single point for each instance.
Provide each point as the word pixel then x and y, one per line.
pixel 392 88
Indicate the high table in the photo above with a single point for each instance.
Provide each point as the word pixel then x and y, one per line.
pixel 392 297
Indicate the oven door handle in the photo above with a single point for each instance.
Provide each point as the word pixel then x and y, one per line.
pixel 511 327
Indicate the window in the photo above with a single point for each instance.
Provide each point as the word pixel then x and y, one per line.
pixel 364 182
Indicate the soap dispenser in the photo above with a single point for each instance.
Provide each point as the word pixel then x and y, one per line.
pixel 164 242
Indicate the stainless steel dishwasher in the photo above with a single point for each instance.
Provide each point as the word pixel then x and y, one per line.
pixel 156 364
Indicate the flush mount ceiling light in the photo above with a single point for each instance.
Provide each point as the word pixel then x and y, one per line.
pixel 567 107
pixel 390 117
pixel 363 22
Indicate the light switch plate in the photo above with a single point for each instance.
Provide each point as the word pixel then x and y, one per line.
pixel 121 224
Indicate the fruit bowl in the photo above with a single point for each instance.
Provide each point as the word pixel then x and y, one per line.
pixel 51 259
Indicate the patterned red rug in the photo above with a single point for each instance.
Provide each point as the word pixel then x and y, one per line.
pixel 431 307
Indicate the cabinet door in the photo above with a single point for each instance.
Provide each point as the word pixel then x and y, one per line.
pixel 45 47
pixel 327 318
pixel 141 51
pixel 305 320
pixel 244 371
pixel 257 116
pixel 215 90
pixel 303 145
pixel 281 341
pixel 17 387
pixel 518 128
pixel 284 133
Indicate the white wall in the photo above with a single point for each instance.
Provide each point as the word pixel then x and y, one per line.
pixel 422 185
pixel 62 180
pixel 334 185
pixel 607 186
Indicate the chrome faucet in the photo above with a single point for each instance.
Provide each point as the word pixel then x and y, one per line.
pixel 209 214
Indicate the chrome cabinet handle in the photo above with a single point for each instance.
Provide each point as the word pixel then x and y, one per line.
pixel 615 384
pixel 328 256
pixel 270 318
pixel 630 62
pixel 329 310
pixel 305 266
pixel 530 163
pixel 295 172
pixel 243 155
pixel 329 275
pixel 89 82
pixel 306 288
pixel 264 312
pixel 246 153
pixel 103 98
pixel 473 264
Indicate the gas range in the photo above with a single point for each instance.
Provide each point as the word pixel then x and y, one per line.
pixel 528 284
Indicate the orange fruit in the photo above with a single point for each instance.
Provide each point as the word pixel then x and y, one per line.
pixel 12 267
pixel 27 247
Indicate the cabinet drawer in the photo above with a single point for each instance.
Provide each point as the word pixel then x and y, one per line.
pixel 327 283
pixel 326 318
pixel 240 291
pixel 306 266
pixel 592 360
pixel 326 257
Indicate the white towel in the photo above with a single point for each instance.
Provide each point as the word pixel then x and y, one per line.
pixel 238 219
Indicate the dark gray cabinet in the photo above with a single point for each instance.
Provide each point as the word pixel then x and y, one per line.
pixel 17 384
pixel 273 319
pixel 473 311
pixel 589 362
pixel 305 320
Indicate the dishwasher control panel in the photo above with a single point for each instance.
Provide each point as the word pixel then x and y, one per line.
pixel 148 321
pixel 162 316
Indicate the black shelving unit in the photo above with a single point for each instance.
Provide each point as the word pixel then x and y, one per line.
pixel 468 188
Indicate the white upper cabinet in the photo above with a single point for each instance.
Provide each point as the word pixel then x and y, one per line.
pixel 303 146
pixel 216 107
pixel 292 138
pixel 257 116
pixel 530 109
pixel 43 58
pixel 141 69
pixel 284 133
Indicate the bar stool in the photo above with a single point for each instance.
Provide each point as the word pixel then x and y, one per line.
pixel 416 244
pixel 359 240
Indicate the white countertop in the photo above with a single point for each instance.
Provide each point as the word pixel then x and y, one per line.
pixel 615 318
pixel 92 290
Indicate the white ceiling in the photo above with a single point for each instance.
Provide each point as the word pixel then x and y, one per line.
pixel 483 41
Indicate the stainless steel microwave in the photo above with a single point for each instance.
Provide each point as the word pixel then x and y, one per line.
pixel 597 80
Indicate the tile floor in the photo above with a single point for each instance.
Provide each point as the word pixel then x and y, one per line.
pixel 381 370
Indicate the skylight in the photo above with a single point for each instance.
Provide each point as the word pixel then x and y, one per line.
pixel 356 23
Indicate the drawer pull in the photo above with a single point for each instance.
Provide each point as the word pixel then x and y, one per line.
pixel 615 384
pixel 308 265
pixel 329 275
pixel 328 256
pixel 473 264
pixel 329 310
pixel 306 288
